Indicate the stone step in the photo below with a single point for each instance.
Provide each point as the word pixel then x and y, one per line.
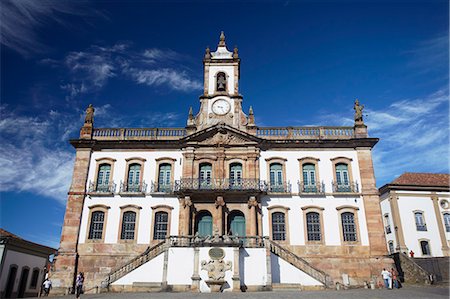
pixel 295 287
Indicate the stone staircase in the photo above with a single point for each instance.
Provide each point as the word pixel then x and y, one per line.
pixel 135 263
pixel 299 263
pixel 410 270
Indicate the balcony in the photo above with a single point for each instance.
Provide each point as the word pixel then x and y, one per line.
pixel 421 227
pixel 388 229
pixel 133 189
pixel 157 188
pixel 317 188
pixel 101 189
pixel 279 188
pixel 351 187
pixel 189 184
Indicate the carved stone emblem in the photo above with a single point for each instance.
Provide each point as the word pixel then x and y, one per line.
pixel 216 253
pixel 223 139
pixel 216 269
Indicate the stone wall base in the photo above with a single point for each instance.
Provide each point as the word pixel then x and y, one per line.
pixel 359 269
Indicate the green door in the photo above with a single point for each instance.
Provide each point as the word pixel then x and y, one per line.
pixel 237 225
pixel 205 225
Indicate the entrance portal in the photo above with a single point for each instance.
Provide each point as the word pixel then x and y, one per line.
pixel 236 223
pixel 203 223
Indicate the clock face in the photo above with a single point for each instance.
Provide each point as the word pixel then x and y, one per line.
pixel 221 107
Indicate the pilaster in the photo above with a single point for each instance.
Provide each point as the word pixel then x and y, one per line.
pixel 195 276
pixel 236 275
pixel 398 227
pixel 437 212
pixel 371 201
pixel 218 219
pixel 252 204
pixel 65 267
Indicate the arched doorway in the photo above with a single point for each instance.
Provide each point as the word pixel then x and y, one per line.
pixel 236 223
pixel 10 282
pixel 203 223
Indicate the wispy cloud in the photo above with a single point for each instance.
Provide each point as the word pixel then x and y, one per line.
pixel 430 55
pixel 414 135
pixel 21 20
pixel 92 68
pixel 27 159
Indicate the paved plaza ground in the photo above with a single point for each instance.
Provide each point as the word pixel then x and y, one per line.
pixel 409 292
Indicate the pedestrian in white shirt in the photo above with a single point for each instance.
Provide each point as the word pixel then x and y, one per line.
pixel 386 277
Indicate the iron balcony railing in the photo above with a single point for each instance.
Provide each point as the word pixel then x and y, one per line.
pixel 421 227
pixel 388 229
pixel 317 188
pixel 283 187
pixel 221 184
pixel 102 188
pixel 133 188
pixel 162 188
pixel 350 187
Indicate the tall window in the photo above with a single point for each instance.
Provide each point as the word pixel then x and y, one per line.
pixel 387 225
pixel 420 221
pixel 96 228
pixel 161 225
pixel 104 172
pixel 34 279
pixel 309 178
pixel 276 177
pixel 425 246
pixel 278 226
pixel 342 178
pixel 313 226
pixel 134 178
pixel 128 225
pixel 348 226
pixel 447 222
pixel 391 247
pixel 164 177
pixel 235 175
pixel 205 175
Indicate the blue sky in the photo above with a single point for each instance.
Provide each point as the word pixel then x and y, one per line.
pixel 140 64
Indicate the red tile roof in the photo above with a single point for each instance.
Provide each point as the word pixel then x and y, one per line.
pixel 5 233
pixel 423 179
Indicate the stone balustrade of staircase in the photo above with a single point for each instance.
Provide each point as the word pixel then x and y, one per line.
pixel 136 262
pixel 299 263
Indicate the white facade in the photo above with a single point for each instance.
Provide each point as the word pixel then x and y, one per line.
pixel 422 217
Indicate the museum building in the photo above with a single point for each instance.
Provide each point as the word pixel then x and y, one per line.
pixel 221 204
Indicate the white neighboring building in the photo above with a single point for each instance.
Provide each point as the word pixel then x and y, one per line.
pixel 22 266
pixel 416 214
pixel 156 207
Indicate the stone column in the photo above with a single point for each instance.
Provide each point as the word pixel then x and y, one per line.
pixel 252 204
pixel 165 265
pixel 269 267
pixel 236 276
pixel 65 268
pixel 195 276
pixel 437 212
pixel 398 227
pixel 375 229
pixel 218 220
pixel 185 215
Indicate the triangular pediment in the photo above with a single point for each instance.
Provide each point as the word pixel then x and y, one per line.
pixel 222 135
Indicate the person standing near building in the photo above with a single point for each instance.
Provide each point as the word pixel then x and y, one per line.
pixel 386 277
pixel 394 276
pixel 47 285
pixel 79 285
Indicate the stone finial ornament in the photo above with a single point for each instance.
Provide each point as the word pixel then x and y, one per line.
pixel 207 53
pixel 222 39
pixel 358 111
pixel 251 116
pixel 235 52
pixel 89 118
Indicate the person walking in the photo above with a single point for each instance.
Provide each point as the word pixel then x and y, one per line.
pixel 47 285
pixel 386 275
pixel 79 285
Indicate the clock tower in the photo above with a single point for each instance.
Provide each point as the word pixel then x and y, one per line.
pixel 220 101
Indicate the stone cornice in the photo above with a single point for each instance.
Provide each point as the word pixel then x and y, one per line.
pixel 389 187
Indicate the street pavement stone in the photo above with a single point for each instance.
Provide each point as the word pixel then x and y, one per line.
pixel 409 292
